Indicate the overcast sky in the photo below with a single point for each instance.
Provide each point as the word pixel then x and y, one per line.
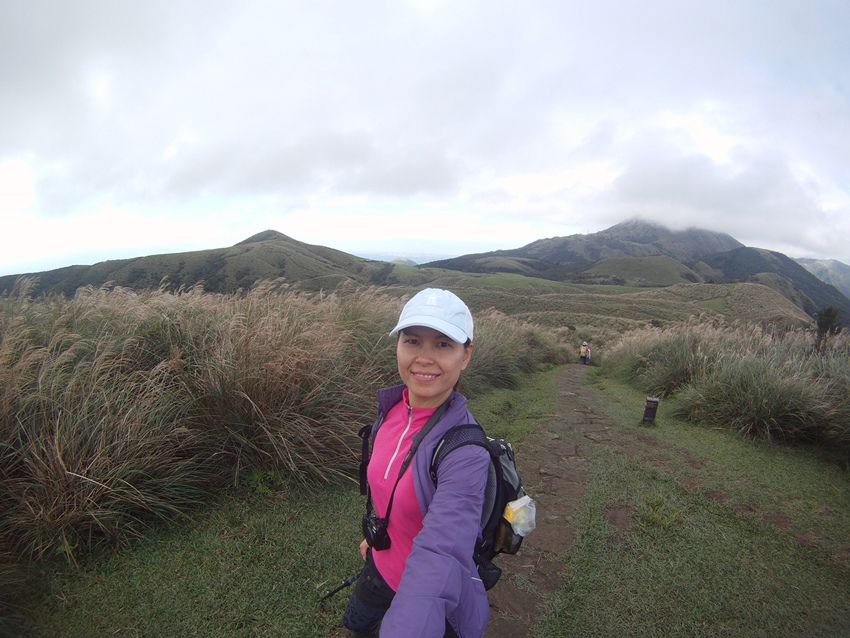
pixel 135 127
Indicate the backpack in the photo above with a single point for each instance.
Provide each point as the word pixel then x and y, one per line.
pixel 503 486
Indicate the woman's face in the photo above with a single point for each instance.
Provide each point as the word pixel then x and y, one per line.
pixel 429 364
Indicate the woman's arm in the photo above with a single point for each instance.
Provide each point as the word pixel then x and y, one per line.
pixel 440 566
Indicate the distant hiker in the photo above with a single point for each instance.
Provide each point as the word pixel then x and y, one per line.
pixel 584 354
pixel 420 579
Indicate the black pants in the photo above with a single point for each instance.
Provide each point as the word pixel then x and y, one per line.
pixel 370 600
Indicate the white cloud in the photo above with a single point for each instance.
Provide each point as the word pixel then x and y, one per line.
pixel 17 185
pixel 507 121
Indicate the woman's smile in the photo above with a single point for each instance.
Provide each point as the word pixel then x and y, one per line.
pixel 424 377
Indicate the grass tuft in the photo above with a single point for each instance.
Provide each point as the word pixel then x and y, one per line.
pixel 760 383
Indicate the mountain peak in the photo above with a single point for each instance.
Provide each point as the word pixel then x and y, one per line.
pixel 641 231
pixel 266 235
pixel 633 238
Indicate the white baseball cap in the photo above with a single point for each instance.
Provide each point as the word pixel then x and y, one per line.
pixel 438 309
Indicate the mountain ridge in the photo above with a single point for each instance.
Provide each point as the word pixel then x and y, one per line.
pixel 266 256
pixel 632 253
pixel 627 252
pixel 633 238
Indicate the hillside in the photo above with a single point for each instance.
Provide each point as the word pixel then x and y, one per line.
pixel 753 264
pixel 567 257
pixel 644 254
pixel 657 270
pixel 598 312
pixel 633 238
pixel 829 271
pixel 266 256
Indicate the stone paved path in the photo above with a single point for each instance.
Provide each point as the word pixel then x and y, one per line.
pixel 553 466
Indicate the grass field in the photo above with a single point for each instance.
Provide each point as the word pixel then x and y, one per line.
pixel 167 450
pixel 726 538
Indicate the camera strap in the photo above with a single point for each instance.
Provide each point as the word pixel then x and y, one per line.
pixel 364 460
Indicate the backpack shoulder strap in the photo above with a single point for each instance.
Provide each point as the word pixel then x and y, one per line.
pixel 458 436
pixel 364 434
pixel 494 494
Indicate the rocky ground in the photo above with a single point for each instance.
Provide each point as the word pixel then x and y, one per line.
pixel 553 466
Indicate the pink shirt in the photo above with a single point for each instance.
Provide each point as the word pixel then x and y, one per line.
pixel 392 443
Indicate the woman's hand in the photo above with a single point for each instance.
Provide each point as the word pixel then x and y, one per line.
pixel 364 546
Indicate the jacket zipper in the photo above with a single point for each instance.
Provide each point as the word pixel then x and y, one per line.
pixel 401 438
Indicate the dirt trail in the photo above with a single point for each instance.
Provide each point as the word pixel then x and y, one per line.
pixel 553 466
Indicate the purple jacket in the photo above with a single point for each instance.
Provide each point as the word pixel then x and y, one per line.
pixel 440 579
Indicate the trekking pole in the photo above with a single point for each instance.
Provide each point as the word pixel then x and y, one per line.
pixel 345 583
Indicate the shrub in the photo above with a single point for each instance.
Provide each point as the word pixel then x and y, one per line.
pixel 758 396
pixel 504 349
pixel 120 408
pixel 89 445
pixel 759 382
pixel 672 363
pixel 660 362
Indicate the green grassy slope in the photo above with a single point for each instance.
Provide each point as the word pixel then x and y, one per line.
pixel 658 270
pixel 266 257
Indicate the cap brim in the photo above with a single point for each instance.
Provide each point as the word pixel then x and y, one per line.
pixel 440 325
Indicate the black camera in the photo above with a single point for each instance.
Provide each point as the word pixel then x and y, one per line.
pixel 375 532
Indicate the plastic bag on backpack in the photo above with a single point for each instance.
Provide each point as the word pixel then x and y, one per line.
pixel 521 514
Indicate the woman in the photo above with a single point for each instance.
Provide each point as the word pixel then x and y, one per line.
pixel 419 579
pixel 584 354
